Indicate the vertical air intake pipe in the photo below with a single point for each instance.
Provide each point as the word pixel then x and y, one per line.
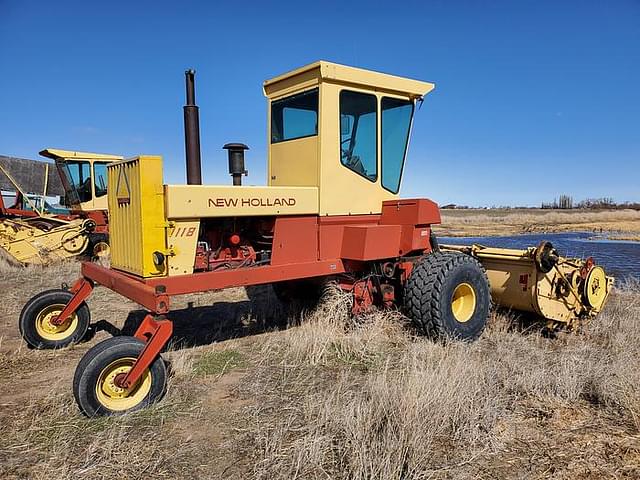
pixel 236 161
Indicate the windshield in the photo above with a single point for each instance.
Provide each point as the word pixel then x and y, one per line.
pixel 100 175
pixel 76 176
pixel 358 125
pixel 396 126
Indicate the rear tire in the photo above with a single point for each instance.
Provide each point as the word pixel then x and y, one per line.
pixel 447 296
pixel 93 383
pixel 35 321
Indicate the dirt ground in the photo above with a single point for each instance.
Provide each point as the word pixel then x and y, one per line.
pixel 262 390
pixel 617 224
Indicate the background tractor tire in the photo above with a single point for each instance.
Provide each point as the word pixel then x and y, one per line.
pixel 447 296
pixel 93 383
pixel 98 245
pixel 35 321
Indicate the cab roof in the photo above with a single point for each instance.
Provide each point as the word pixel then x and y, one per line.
pixel 63 154
pixel 324 71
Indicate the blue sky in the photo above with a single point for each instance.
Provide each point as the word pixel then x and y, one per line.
pixel 532 98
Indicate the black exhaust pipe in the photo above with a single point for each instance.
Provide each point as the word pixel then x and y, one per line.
pixel 192 132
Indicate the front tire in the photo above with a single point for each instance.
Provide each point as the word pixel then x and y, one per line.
pixel 94 386
pixel 447 296
pixel 35 322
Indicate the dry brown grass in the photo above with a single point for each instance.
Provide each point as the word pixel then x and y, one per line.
pixel 331 397
pixel 371 401
pixel 536 216
pixel 510 221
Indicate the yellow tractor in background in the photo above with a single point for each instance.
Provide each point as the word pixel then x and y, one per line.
pixel 34 236
pixel 331 211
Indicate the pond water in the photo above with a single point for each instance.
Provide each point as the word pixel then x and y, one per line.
pixel 619 258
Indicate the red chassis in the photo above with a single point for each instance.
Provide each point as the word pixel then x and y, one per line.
pixel 303 247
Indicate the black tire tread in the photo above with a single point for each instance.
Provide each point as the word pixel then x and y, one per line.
pixel 26 320
pixel 424 289
pixel 91 360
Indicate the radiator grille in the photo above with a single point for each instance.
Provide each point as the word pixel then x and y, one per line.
pixel 136 215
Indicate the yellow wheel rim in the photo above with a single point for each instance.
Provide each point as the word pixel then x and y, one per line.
pixel 596 287
pixel 463 302
pixel 116 398
pixel 47 330
pixel 74 243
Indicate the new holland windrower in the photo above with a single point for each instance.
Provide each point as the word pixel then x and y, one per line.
pixel 331 211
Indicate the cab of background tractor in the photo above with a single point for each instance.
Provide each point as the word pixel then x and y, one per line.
pixel 343 130
pixel 84 176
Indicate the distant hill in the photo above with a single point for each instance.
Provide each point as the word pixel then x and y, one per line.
pixel 29 174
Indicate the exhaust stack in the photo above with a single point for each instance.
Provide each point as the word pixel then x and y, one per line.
pixel 192 132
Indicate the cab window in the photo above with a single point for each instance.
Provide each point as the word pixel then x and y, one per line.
pixel 100 179
pixel 78 176
pixel 294 117
pixel 358 126
pixel 396 123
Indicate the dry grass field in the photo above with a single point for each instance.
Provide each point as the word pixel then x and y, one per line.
pixel 259 390
pixel 622 224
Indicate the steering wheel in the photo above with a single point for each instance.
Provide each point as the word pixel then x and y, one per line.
pixel 355 164
pixel 84 190
pixel 347 153
pixel 350 160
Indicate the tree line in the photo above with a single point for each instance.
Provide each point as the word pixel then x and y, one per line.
pixel 565 202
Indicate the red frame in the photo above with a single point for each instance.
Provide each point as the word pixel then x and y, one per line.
pixel 156 332
pixel 99 216
pixel 303 247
